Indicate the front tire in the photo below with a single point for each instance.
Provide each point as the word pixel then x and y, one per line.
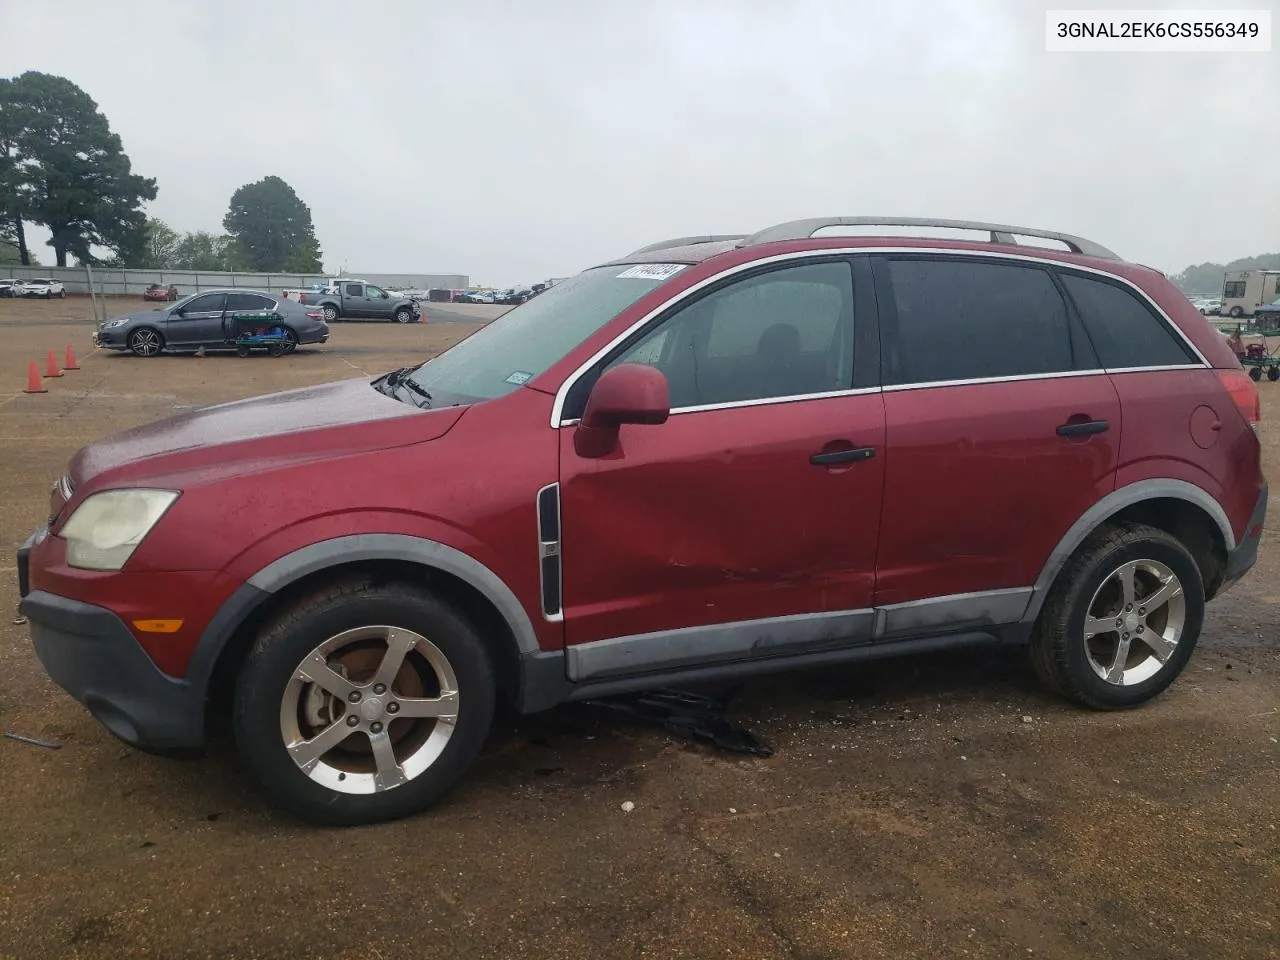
pixel 146 342
pixel 363 703
pixel 404 315
pixel 1122 619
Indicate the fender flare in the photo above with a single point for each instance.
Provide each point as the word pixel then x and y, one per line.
pixel 1163 488
pixel 341 550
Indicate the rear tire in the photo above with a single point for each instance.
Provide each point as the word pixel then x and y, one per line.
pixel 330 314
pixel 344 636
pixel 1089 646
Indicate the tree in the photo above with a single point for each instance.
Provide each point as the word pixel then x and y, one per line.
pixel 205 251
pixel 11 254
pixel 161 246
pixel 68 171
pixel 15 191
pixel 272 227
pixel 1206 278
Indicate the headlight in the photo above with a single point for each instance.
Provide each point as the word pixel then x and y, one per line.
pixel 108 526
pixel 108 324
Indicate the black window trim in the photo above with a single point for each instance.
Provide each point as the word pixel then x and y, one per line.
pixel 866 344
pixel 1188 348
pixel 211 293
pixel 273 303
pixel 557 418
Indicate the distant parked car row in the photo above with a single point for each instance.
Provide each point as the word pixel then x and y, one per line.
pixel 43 287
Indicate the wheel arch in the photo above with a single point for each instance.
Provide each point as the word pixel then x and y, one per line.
pixel 1182 509
pixel 475 590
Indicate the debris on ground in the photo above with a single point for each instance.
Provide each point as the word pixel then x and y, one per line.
pixel 50 744
pixel 627 806
pixel 1026 719
pixel 688 715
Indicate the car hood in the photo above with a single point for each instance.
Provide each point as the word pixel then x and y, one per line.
pixel 237 436
pixel 149 313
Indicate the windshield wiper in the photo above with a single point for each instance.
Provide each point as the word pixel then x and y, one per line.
pixel 413 387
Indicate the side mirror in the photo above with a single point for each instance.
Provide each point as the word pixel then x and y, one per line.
pixel 385 295
pixel 627 393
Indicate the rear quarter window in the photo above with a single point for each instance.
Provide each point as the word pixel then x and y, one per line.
pixel 1125 330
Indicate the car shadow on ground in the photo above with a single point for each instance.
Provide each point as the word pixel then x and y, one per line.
pixel 577 745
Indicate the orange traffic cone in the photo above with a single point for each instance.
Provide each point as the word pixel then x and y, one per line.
pixel 33 380
pixel 71 360
pixel 51 366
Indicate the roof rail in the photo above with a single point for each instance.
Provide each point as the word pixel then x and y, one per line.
pixel 1000 233
pixel 686 241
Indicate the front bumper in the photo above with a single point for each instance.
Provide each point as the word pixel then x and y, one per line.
pixel 90 653
pixel 1241 560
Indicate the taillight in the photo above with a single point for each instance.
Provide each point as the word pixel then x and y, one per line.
pixel 315 315
pixel 1244 392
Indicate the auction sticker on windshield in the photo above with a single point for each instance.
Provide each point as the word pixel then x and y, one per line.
pixel 652 271
pixel 519 378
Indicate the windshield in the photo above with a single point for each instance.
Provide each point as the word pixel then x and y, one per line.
pixel 524 342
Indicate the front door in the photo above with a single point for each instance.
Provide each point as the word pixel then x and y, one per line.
pixel 200 322
pixel 377 302
pixel 1002 428
pixel 746 525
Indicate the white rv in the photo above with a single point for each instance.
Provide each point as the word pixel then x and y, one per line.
pixel 1243 291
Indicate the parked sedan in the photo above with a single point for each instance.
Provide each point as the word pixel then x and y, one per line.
pixel 205 320
pixel 160 292
pixel 45 287
pixel 1267 316
pixel 9 288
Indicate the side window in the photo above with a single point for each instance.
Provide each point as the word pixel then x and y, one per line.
pixel 372 292
pixel 248 301
pixel 205 304
pixel 1125 331
pixel 355 290
pixel 970 320
pixel 785 333
pixel 1233 290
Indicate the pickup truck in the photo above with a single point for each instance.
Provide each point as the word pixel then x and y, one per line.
pixel 355 299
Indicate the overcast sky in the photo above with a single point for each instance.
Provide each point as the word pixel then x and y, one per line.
pixel 518 139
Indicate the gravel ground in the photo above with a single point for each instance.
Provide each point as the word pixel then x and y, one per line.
pixel 930 807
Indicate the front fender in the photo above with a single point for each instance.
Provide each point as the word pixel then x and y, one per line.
pixel 335 551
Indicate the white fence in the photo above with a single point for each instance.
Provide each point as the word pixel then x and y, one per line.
pixel 133 282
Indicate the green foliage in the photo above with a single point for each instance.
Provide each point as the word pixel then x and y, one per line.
pixel 1206 278
pixel 206 251
pixel 161 246
pixel 64 168
pixel 10 255
pixel 272 227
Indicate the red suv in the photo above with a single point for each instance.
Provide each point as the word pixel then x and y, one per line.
pixel 715 457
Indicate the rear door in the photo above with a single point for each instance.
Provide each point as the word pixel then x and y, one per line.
pixel 200 322
pixel 242 304
pixel 1002 429
pixel 354 303
pixel 746 525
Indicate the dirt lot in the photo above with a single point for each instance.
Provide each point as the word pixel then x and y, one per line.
pixel 911 809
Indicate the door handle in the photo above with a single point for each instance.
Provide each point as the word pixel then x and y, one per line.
pixel 1083 428
pixel 842 456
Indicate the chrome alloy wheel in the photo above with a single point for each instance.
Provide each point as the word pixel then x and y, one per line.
pixel 369 709
pixel 145 343
pixel 1134 622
